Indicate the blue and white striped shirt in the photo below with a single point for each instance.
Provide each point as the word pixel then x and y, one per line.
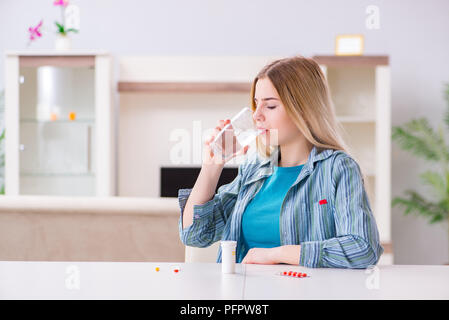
pixel 340 232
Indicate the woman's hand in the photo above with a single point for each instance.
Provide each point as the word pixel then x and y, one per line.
pixel 209 157
pixel 262 256
pixel 288 254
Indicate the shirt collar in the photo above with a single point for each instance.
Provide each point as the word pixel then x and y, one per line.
pixel 266 166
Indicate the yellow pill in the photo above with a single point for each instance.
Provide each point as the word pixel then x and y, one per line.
pixel 157 269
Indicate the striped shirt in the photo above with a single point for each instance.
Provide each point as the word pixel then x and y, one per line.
pixel 326 211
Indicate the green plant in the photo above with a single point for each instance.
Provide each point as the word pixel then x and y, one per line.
pixel 63 31
pixel 418 137
pixel 62 28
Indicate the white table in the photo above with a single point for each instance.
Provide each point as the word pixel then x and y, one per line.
pixel 198 281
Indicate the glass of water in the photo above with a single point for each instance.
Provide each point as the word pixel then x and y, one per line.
pixel 240 132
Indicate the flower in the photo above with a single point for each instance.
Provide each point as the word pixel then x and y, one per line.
pixel 62 27
pixel 62 3
pixel 35 32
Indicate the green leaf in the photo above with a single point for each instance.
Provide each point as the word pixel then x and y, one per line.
pixel 418 205
pixel 446 97
pixel 410 142
pixel 435 180
pixel 60 27
pixel 436 218
pixel 418 137
pixel 435 141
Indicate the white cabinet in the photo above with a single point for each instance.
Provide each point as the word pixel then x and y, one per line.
pixel 360 90
pixel 59 124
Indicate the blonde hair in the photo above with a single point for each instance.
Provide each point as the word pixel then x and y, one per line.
pixel 303 90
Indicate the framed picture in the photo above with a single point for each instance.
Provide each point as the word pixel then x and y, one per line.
pixel 349 45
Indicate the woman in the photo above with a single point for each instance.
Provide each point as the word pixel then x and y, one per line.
pixel 300 199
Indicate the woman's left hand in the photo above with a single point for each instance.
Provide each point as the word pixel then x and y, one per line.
pixel 262 256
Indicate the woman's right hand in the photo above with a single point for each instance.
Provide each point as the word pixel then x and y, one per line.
pixel 209 157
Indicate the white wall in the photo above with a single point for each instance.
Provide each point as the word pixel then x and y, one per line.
pixel 160 121
pixel 413 33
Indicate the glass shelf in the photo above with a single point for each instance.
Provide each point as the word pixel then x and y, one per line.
pixel 58 155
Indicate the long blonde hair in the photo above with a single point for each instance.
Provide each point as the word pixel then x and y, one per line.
pixel 303 90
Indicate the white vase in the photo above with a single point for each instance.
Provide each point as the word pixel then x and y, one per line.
pixel 63 43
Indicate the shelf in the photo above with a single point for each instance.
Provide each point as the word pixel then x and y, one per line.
pixel 355 119
pixel 57 61
pixel 79 121
pixel 184 87
pixel 337 61
pixel 353 91
pixel 53 53
pixel 36 174
pixel 54 155
pixel 70 58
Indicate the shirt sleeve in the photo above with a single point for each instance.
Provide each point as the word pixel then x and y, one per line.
pixel 209 219
pixel 357 242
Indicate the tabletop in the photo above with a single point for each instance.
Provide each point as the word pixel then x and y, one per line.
pixel 205 281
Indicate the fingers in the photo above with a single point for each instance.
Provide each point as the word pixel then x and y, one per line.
pixel 241 152
pixel 209 141
pixel 217 129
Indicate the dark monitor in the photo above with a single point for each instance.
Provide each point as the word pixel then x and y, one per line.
pixel 175 178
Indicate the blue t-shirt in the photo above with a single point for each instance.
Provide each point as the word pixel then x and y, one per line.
pixel 260 221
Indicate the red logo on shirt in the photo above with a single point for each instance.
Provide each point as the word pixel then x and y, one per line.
pixel 324 201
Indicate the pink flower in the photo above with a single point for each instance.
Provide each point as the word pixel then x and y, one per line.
pixel 62 3
pixel 35 32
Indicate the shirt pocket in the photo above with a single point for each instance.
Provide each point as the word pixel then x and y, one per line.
pixel 319 223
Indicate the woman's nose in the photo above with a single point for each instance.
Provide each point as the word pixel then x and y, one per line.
pixel 257 115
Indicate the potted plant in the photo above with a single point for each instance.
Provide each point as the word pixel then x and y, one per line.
pixel 418 137
pixel 63 41
pixel 64 27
